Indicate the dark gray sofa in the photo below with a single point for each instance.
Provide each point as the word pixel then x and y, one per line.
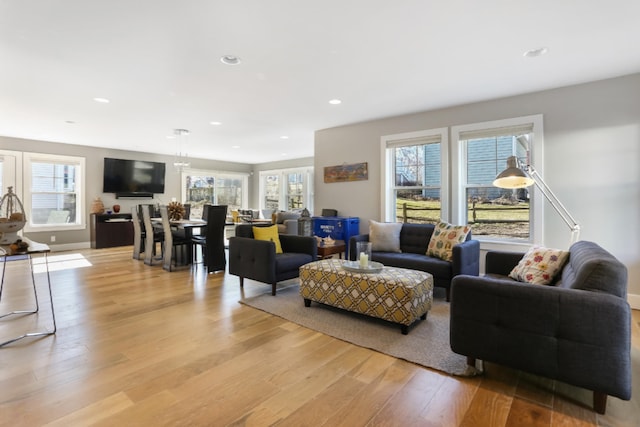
pixel 414 239
pixel 576 330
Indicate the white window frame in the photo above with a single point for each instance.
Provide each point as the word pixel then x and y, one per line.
pixel 12 173
pixel 307 196
pixel 216 175
pixel 79 163
pixel 458 177
pixel 387 175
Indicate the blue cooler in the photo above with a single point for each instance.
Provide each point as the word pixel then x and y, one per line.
pixel 336 227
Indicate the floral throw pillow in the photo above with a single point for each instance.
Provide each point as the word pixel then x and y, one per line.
pixel 445 236
pixel 539 265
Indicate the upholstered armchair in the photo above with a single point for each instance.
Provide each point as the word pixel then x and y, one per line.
pixel 257 259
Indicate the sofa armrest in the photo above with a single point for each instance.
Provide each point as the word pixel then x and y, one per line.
pixel 299 244
pixel 466 258
pixel 576 336
pixel 352 244
pixel 251 258
pixel 500 262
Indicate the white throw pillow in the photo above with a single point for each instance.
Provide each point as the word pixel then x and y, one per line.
pixel 385 236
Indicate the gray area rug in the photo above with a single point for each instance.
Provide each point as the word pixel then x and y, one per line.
pixel 427 343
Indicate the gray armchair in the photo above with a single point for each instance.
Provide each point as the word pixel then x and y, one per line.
pixel 257 259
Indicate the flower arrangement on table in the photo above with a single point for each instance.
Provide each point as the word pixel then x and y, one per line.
pixel 176 211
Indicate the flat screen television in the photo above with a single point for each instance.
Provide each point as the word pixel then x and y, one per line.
pixel 133 177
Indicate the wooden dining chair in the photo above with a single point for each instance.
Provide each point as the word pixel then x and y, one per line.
pixel 152 236
pixel 199 240
pixel 138 231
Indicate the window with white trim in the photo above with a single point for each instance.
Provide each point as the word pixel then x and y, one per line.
pixel 286 189
pixel 54 192
pixel 414 170
pixel 216 188
pixel 482 150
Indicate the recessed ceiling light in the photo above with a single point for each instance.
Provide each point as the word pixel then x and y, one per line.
pixel 335 102
pixel 230 60
pixel 215 123
pixel 284 137
pixel 235 146
pixel 70 122
pixel 535 52
pixel 102 100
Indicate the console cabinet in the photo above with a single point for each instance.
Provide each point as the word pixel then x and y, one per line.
pixel 108 231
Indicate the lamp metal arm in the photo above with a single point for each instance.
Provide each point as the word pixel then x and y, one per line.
pixel 555 202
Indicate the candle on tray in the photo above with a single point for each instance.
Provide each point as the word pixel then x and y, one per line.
pixel 364 260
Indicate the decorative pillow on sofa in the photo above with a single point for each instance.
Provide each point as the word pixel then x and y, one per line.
pixel 385 236
pixel 539 265
pixel 269 234
pixel 445 236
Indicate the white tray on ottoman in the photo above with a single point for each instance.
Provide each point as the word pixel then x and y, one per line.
pixel 394 294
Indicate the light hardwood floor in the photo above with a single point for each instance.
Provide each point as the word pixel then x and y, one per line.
pixel 140 346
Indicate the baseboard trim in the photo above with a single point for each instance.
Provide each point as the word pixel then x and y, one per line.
pixel 70 246
pixel 634 301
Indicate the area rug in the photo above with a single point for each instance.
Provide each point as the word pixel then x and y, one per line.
pixel 427 343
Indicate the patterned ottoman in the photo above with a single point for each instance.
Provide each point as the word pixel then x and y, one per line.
pixel 395 294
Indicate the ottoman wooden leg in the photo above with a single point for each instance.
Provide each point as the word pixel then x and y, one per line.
pixel 307 302
pixel 404 329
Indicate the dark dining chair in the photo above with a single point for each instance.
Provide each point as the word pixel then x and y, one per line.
pixel 214 250
pixel 171 243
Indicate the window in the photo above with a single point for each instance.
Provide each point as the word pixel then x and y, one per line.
pixel 217 188
pixel 482 150
pixel 414 165
pixel 54 195
pixel 287 189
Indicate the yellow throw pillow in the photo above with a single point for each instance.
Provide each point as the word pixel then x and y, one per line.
pixel 270 234
pixel 539 265
pixel 444 238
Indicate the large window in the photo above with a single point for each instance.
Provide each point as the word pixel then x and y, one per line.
pixel 494 213
pixel 217 188
pixel 54 195
pixel 287 189
pixel 413 172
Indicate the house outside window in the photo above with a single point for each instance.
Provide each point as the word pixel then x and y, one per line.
pixel 413 173
pixel 480 154
pixel 54 195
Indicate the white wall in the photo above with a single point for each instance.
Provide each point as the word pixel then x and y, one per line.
pixel 591 160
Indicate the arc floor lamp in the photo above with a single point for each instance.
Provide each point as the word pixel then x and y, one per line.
pixel 521 176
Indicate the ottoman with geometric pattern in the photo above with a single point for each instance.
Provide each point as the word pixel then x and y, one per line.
pixel 398 295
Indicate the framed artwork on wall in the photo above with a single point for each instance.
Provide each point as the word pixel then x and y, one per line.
pixel 346 173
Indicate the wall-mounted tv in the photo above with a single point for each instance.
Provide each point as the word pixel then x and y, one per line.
pixel 133 177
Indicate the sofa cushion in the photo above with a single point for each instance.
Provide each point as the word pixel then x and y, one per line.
pixel 385 236
pixel 539 265
pixel 445 236
pixel 414 238
pixel 436 267
pixel 268 234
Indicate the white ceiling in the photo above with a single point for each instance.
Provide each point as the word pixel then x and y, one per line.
pixel 158 62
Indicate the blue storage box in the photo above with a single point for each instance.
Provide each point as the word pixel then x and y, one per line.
pixel 336 227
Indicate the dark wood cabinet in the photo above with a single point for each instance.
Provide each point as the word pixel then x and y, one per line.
pixel 108 231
